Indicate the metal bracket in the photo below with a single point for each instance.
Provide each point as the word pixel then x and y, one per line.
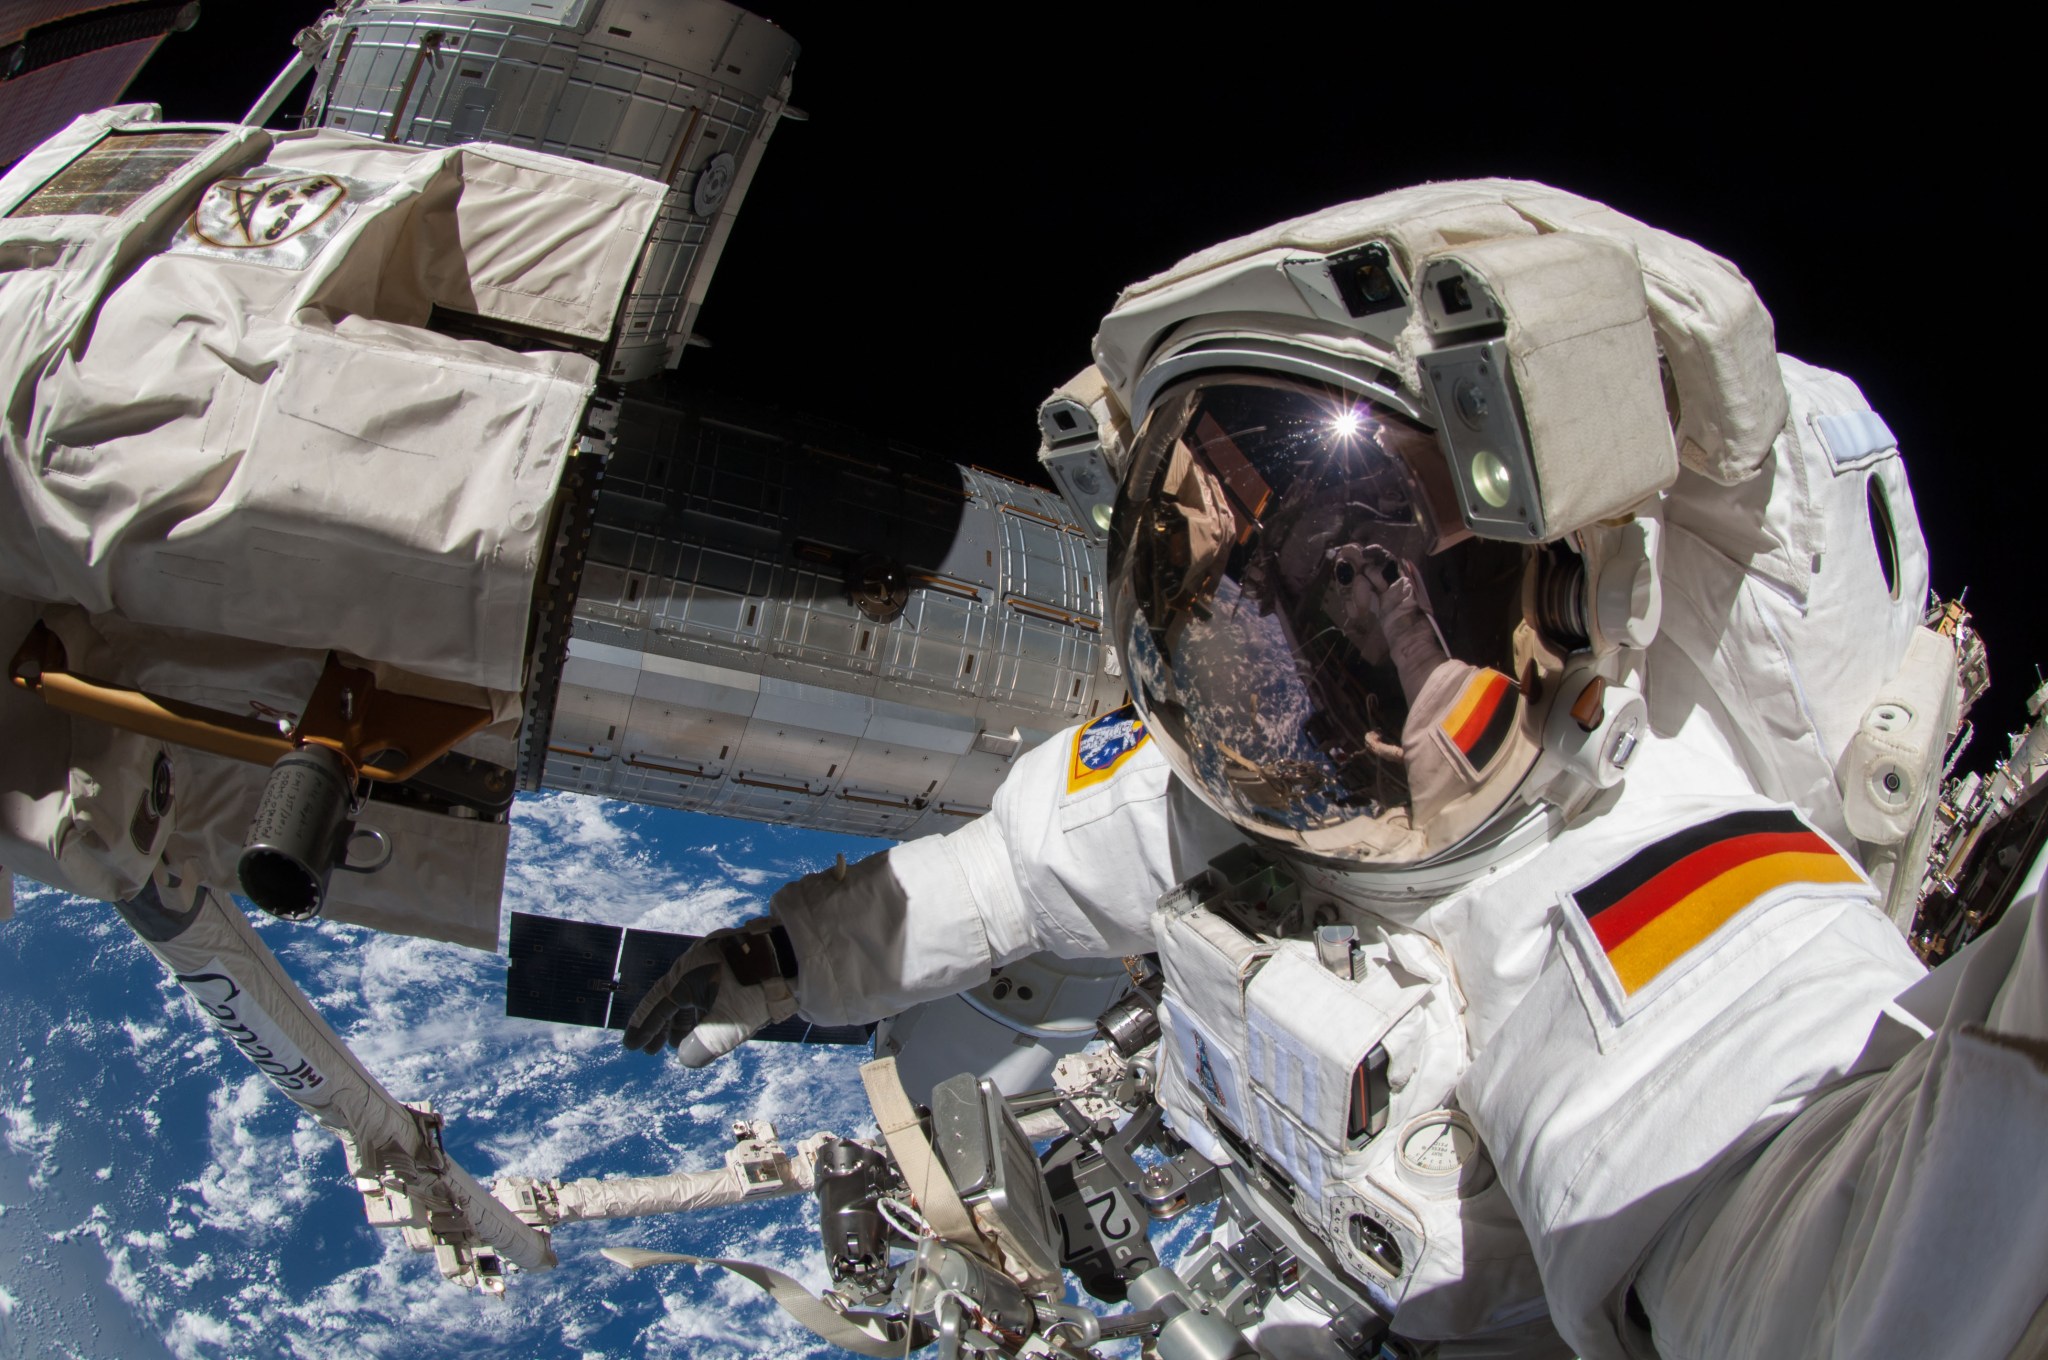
pixel 382 735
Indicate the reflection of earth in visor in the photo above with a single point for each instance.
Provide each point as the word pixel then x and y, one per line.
pixel 1251 505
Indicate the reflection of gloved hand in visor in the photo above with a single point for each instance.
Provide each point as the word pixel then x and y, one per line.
pixel 714 998
pixel 1374 591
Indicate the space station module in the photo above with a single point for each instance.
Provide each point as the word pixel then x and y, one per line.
pixel 756 615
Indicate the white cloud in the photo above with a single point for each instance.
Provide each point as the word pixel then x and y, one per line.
pixel 574 821
pixel 32 1137
pixel 262 1250
pixel 751 877
pixel 198 1336
pixel 122 1275
pixel 28 892
pixel 576 857
pixel 253 1180
pixel 96 1225
pixel 184 1277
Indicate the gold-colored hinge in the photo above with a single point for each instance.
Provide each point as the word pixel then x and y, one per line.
pixel 381 734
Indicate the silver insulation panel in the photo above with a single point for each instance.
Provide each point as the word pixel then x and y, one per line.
pixel 718 661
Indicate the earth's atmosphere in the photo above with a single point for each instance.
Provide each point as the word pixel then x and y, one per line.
pixel 158 1198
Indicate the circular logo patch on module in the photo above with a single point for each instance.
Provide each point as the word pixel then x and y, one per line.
pixel 714 182
pixel 252 214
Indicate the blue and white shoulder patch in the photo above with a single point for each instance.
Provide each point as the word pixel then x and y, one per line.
pixel 1102 747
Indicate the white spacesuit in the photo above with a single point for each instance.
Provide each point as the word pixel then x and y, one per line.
pixel 1620 1055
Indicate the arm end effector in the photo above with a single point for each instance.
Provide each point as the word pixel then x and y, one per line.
pixel 721 991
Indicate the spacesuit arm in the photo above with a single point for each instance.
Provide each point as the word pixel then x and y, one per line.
pixel 1412 638
pixel 1366 602
pixel 918 921
pixel 1061 864
pixel 1628 1083
pixel 1754 1152
pixel 1903 1214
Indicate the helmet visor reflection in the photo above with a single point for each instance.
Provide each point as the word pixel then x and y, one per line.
pixel 1290 575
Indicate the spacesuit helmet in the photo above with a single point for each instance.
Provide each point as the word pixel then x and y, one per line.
pixel 1383 556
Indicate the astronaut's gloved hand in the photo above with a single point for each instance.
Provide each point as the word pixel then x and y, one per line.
pixel 718 994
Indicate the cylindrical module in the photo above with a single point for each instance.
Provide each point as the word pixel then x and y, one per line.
pixel 783 620
pixel 685 92
pixel 1191 1332
pixel 299 831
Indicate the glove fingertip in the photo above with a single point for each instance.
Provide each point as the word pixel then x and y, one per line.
pixel 695 1053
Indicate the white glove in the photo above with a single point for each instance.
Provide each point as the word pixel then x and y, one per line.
pixel 718 994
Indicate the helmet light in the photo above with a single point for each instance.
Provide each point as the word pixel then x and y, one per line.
pixel 1491 480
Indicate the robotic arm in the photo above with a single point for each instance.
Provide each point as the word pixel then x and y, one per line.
pixel 394 1150
pixel 950 1231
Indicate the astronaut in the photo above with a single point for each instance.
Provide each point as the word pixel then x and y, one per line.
pixel 1487 584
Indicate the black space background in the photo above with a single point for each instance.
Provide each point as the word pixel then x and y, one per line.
pixel 928 256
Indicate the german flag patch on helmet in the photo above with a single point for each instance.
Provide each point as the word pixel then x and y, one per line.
pixel 1655 907
pixel 1482 718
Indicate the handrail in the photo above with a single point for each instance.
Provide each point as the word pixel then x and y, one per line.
pixel 346 713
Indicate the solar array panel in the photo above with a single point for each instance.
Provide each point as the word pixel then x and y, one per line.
pixel 584 973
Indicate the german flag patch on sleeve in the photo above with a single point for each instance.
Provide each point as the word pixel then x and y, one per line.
pixel 1655 907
